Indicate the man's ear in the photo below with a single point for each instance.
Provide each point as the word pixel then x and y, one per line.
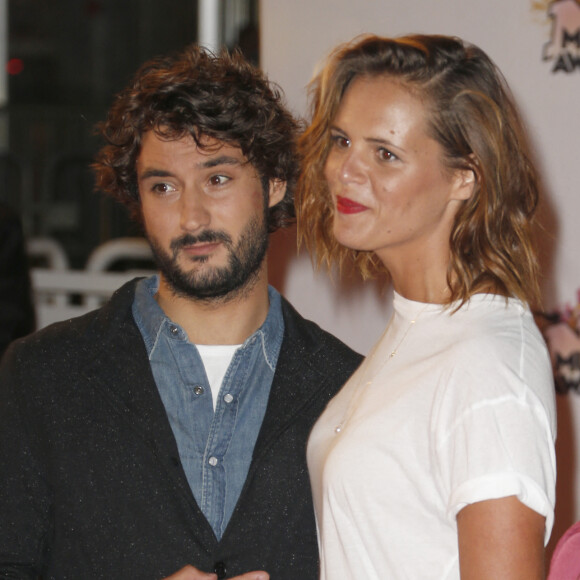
pixel 277 191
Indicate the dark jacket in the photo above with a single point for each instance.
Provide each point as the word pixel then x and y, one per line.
pixel 91 485
pixel 16 307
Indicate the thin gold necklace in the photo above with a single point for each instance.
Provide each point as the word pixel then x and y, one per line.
pixel 361 389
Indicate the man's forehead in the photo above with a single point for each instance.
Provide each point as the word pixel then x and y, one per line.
pixel 215 148
pixel 203 144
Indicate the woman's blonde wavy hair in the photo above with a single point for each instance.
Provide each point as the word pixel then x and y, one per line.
pixel 473 117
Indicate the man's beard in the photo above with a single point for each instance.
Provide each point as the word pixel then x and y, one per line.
pixel 238 276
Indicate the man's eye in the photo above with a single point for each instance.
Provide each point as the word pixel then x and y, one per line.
pixel 218 180
pixel 163 188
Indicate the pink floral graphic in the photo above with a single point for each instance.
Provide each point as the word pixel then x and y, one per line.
pixel 562 332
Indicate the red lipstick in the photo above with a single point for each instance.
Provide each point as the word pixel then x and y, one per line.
pixel 348 206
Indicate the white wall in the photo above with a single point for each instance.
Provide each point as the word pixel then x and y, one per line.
pixel 296 34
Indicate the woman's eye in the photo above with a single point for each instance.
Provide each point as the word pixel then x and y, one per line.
pixel 340 141
pixel 386 155
pixel 218 179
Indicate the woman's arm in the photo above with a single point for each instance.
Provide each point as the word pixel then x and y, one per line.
pixel 500 538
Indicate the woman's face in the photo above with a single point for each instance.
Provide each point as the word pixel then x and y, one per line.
pixel 389 187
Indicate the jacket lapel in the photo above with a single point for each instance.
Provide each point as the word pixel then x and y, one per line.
pixel 120 370
pixel 297 379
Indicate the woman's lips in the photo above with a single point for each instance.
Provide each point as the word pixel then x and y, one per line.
pixel 348 206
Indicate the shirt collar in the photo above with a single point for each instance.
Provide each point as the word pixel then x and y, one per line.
pixel 151 320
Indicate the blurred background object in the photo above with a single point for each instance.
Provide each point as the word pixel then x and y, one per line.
pixel 65 60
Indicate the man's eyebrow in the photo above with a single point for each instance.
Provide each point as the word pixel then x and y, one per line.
pixel 213 162
pixel 220 160
pixel 154 173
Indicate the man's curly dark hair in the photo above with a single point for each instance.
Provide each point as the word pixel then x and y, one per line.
pixel 200 94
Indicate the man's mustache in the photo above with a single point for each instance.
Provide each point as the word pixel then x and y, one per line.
pixel 206 237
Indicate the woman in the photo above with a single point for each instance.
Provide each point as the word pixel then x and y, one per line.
pixel 436 459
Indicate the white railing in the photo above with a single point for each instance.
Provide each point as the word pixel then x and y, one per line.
pixel 61 293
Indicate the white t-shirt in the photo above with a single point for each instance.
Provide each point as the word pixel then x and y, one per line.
pixel 216 360
pixel 465 411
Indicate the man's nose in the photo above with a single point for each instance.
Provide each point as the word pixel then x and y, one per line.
pixel 194 211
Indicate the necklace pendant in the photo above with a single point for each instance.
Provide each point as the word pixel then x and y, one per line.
pixel 360 389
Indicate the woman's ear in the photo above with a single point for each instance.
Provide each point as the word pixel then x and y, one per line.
pixel 463 184
pixel 277 191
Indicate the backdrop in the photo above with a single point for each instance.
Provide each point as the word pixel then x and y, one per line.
pixel 537 46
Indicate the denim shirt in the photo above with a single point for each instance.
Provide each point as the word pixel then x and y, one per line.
pixel 215 448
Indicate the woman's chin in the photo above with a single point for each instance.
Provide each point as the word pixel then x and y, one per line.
pixel 349 239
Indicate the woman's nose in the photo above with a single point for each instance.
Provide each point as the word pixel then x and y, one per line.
pixel 350 168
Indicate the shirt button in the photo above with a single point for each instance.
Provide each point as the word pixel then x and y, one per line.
pixel 220 569
pixel 213 461
pixel 174 330
pixel 198 390
pixel 228 398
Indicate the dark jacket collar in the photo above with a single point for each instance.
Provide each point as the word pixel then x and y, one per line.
pixel 119 367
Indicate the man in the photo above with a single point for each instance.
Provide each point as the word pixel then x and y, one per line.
pixel 166 431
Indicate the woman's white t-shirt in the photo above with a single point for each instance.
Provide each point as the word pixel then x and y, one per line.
pixel 463 412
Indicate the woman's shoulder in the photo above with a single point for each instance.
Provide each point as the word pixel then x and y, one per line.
pixel 495 322
pixel 501 353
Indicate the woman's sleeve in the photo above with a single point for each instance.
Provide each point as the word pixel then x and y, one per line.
pixel 494 431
